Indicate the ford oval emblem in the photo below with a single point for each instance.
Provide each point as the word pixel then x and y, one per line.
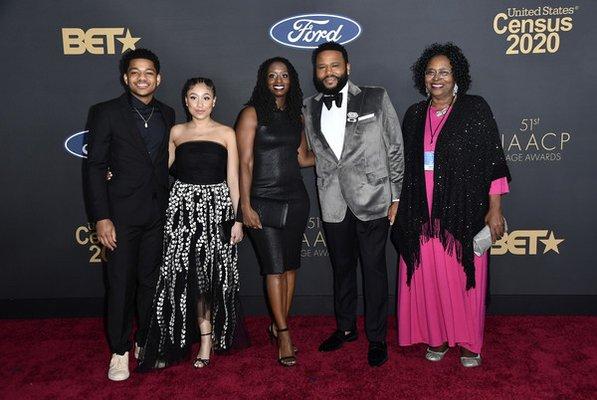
pixel 310 30
pixel 77 144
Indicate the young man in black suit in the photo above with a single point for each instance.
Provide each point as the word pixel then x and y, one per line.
pixel 128 136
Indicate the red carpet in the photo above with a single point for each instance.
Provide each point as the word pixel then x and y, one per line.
pixel 524 358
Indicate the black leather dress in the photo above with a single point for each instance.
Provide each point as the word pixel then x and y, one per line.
pixel 277 176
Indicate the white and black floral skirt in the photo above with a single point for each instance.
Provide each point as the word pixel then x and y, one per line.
pixel 198 277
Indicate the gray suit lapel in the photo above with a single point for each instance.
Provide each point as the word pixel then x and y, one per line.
pixel 354 105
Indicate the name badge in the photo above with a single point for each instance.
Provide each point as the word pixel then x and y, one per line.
pixel 428 163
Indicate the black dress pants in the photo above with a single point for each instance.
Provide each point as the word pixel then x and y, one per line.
pixel 133 269
pixel 347 241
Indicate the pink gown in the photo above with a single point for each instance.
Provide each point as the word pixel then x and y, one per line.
pixel 436 308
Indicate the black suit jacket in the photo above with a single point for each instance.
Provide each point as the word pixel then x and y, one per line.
pixel 114 142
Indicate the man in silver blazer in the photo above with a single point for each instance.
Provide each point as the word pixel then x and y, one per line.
pixel 355 134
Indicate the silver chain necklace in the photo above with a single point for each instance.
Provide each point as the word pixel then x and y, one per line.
pixel 148 118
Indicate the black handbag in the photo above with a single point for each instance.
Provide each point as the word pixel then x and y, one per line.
pixel 272 213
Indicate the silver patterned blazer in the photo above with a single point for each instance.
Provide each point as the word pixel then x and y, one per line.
pixel 368 175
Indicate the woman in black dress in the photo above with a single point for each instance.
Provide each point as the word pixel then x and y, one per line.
pixel 197 292
pixel 272 148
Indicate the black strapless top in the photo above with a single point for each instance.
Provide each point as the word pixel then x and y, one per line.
pixel 200 162
pixel 276 171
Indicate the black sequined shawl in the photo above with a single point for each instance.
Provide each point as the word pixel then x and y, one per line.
pixel 468 157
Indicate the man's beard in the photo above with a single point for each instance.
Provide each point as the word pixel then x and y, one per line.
pixel 322 89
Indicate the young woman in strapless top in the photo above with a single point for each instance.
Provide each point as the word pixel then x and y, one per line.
pixel 198 287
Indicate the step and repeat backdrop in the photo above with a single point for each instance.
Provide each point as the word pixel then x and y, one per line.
pixel 534 62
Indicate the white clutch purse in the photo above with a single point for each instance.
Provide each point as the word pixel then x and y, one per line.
pixel 482 240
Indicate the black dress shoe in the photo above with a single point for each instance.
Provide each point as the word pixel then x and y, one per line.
pixel 337 339
pixel 378 353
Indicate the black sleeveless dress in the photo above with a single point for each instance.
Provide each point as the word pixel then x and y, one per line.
pixel 199 274
pixel 277 176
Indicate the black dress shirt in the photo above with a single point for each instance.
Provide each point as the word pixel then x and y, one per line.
pixel 154 134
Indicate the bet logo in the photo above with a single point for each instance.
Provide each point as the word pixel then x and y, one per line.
pixel 76 41
pixel 526 242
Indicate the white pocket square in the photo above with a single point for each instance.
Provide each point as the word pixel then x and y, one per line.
pixel 367 116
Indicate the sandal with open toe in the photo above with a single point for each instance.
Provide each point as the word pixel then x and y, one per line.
pixel 274 338
pixel 202 362
pixel 287 361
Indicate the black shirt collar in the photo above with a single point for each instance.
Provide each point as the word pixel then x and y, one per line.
pixel 138 104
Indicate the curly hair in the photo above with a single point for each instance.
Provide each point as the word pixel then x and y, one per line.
pixel 460 67
pixel 264 101
pixel 145 54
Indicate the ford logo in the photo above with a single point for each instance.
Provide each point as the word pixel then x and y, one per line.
pixel 77 144
pixel 310 30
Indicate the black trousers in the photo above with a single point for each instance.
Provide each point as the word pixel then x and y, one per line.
pixel 133 269
pixel 347 241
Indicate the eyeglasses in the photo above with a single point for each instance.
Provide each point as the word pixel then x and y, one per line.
pixel 442 73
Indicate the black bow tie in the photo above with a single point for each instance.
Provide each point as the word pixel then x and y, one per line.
pixel 329 98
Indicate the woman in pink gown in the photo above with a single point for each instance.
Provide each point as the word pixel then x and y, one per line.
pixel 455 174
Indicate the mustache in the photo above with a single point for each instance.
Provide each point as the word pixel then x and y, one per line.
pixel 341 80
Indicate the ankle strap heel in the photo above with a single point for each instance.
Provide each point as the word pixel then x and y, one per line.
pixel 203 362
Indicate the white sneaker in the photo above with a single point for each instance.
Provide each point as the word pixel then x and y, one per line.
pixel 119 367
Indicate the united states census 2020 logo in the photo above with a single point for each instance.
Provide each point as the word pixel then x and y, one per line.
pixel 310 30
pixel 76 144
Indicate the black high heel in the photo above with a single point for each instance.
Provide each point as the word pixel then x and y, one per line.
pixel 270 333
pixel 288 361
pixel 203 362
pixel 274 338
